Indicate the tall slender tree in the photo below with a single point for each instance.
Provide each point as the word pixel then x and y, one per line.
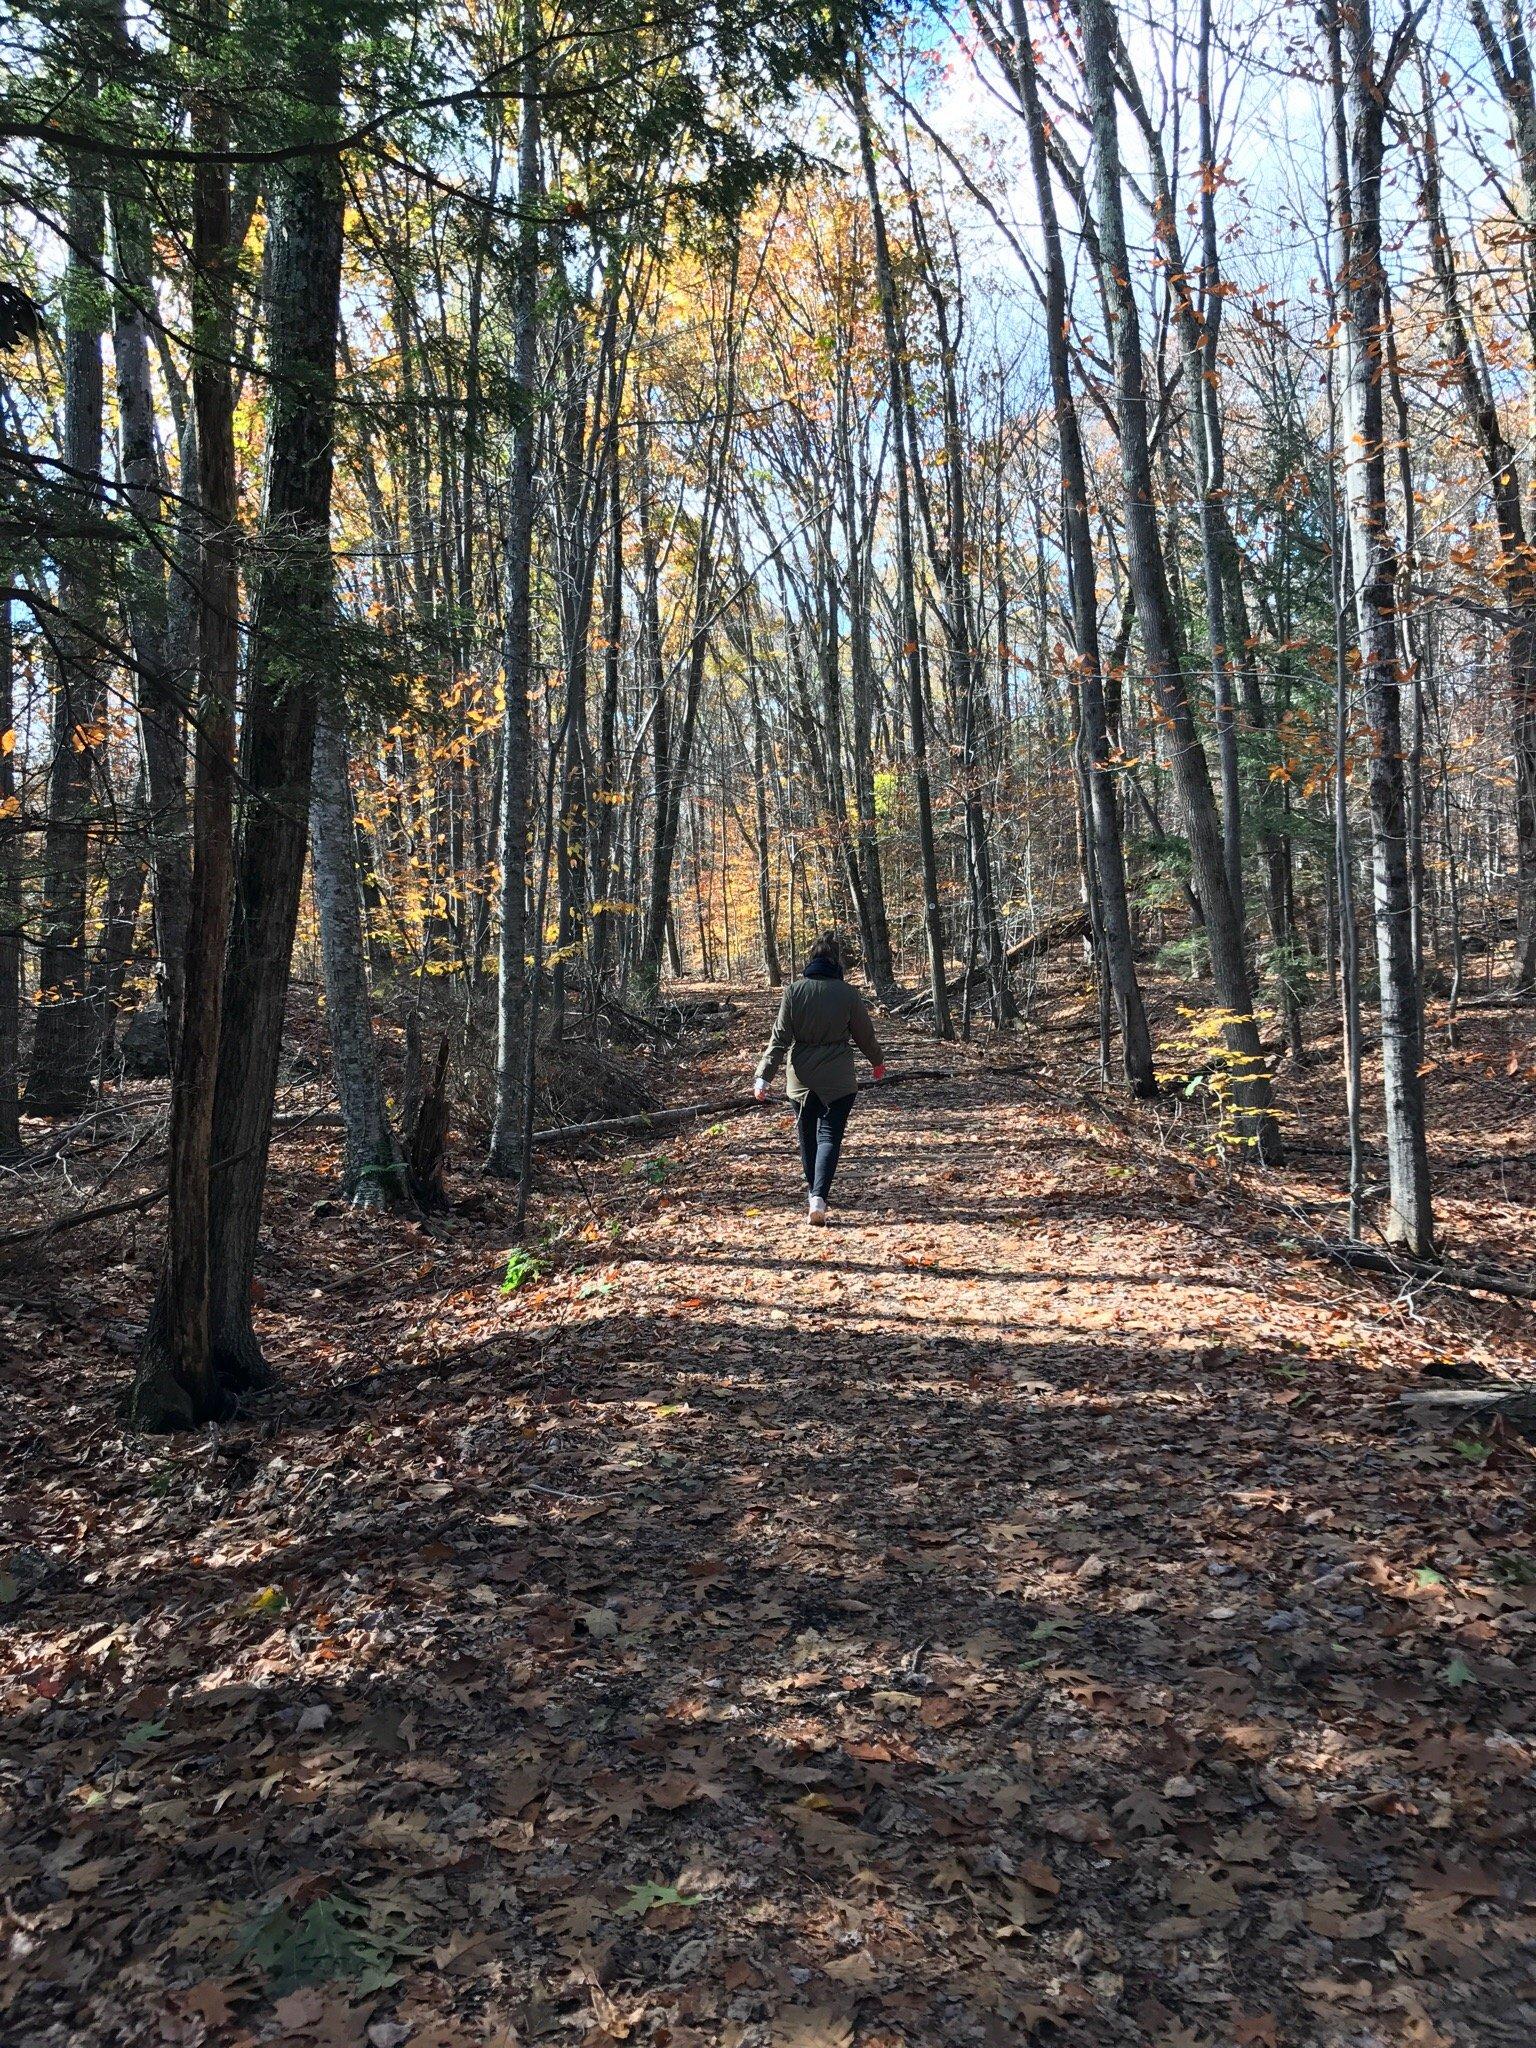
pixel 906 565
pixel 292 664
pixel 517 644
pixel 177 1384
pixel 64 1042
pixel 1093 724
pixel 1362 85
pixel 1155 616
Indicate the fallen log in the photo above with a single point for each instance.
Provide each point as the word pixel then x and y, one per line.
pixel 729 1105
pixel 1366 1258
pixel 1514 1404
pixel 1061 931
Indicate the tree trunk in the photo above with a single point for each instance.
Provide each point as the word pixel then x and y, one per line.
pixel 1205 407
pixel 371 1171
pixel 64 1042
pixel 127 869
pixel 858 528
pixel 1515 76
pixel 1093 728
pixel 1359 125
pixel 1343 854
pixel 517 656
pixel 292 662
pixel 177 1385
pixel 1199 331
pixel 1155 614
pixel 162 691
pixel 845 840
pixel 672 763
pixel 772 967
pixel 906 567
pixel 10 899
pixel 952 566
pixel 607 793
pixel 1517 576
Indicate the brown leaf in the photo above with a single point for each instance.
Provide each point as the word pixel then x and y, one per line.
pixel 1204 1893
pixel 210 2000
pixel 811 2026
pixel 299 2010
pixel 672 1789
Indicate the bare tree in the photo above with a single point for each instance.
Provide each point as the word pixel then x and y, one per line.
pixel 1155 617
pixel 1361 88
pixel 177 1384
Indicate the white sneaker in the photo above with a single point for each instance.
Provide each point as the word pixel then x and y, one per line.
pixel 818 1210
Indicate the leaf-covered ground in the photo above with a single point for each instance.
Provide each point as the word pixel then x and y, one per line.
pixel 1022 1613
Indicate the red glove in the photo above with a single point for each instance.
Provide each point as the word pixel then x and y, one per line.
pixel 879 1072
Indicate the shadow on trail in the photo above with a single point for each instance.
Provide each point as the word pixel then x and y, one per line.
pixel 976 1689
pixel 775 1619
pixel 824 1254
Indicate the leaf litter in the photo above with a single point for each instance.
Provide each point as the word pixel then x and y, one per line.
pixel 1021 1613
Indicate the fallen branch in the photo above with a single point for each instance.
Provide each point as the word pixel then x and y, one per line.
pixel 41 1232
pixel 61 1141
pixel 729 1105
pixel 1514 1404
pixel 1061 931
pixel 1511 999
pixel 44 1231
pixel 1433 1272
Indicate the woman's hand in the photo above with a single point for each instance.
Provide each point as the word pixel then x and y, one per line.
pixel 878 1072
pixel 760 1090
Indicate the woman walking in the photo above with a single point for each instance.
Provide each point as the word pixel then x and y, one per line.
pixel 818 1017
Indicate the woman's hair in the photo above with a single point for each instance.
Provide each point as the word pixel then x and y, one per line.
pixel 829 947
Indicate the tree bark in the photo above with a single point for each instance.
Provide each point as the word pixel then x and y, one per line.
pixel 177 1385
pixel 674 742
pixel 127 869
pixel 1360 95
pixel 1093 726
pixel 162 690
pixel 607 793
pixel 291 664
pixel 858 527
pixel 64 1041
pixel 517 652
pixel 1155 614
pixel 772 967
pixel 10 899
pixel 1514 74
pixel 1517 574
pixel 1199 340
pixel 906 566
pixel 953 568
pixel 372 1175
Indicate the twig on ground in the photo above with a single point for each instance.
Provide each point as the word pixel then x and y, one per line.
pixel 42 1232
pixel 1433 1272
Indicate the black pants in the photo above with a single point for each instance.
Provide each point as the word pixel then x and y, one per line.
pixel 821 1126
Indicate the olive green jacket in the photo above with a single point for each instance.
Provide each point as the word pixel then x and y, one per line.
pixel 816 1021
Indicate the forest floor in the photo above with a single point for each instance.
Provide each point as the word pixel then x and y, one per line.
pixel 1024 1612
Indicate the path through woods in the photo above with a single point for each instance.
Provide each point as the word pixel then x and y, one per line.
pixel 1022 1613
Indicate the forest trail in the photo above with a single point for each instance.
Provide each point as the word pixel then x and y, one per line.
pixel 1021 1612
